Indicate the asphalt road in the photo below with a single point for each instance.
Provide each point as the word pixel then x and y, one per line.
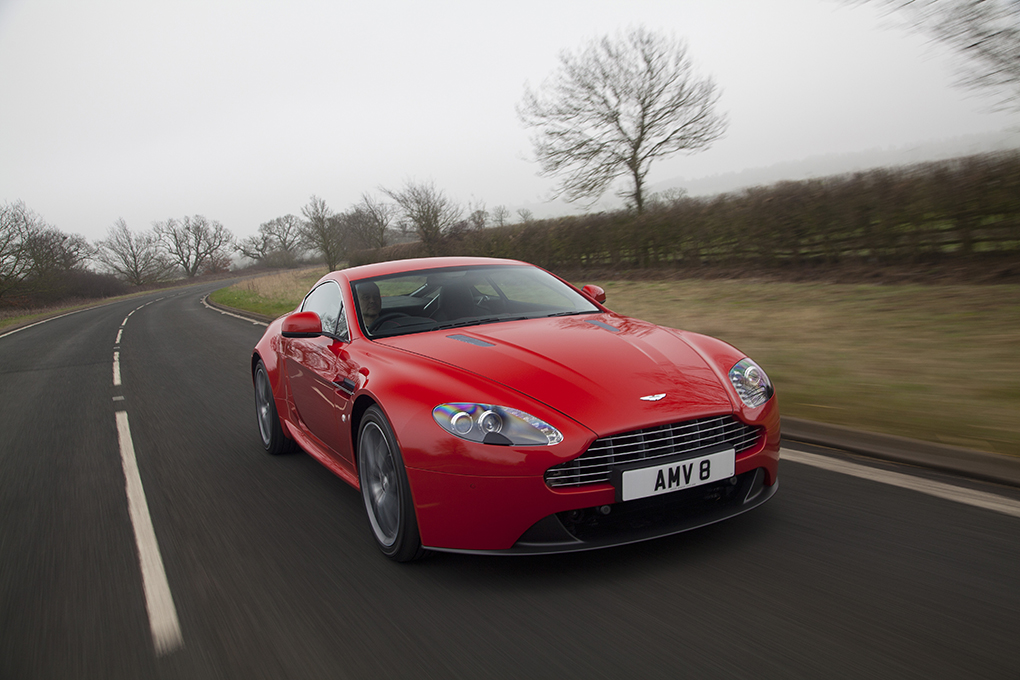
pixel 273 573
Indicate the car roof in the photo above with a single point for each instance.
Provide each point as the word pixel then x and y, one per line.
pixel 416 264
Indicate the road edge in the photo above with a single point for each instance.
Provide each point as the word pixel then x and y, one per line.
pixel 261 318
pixel 980 465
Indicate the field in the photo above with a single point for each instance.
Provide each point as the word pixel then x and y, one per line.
pixel 271 294
pixel 938 363
pixel 930 362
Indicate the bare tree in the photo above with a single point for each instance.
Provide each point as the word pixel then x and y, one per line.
pixel 17 225
pixel 38 260
pixel 257 247
pixel 527 217
pixel 286 232
pixel 500 216
pixel 219 263
pixel 357 228
pixel 194 243
pixel 369 221
pixel 135 258
pixel 986 33
pixel 323 232
pixel 52 252
pixel 667 199
pixel 276 243
pixel 426 210
pixel 478 216
pixel 614 107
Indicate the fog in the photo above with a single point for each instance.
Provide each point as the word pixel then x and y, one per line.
pixel 240 111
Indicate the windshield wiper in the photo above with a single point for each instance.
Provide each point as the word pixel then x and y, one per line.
pixel 549 316
pixel 477 321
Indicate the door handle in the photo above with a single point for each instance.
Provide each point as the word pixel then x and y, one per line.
pixel 347 385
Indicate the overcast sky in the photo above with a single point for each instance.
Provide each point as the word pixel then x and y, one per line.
pixel 240 110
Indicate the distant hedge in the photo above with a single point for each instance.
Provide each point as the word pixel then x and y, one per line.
pixel 962 209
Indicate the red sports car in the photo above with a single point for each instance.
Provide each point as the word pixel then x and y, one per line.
pixel 485 405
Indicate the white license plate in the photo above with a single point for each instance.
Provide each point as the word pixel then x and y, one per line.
pixel 684 474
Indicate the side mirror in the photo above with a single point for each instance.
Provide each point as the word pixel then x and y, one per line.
pixel 596 293
pixel 301 325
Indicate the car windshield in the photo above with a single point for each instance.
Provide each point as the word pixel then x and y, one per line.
pixel 424 300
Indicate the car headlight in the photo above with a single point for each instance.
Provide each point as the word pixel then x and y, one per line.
pixel 751 383
pixel 490 424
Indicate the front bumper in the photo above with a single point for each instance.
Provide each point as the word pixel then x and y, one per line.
pixel 640 520
pixel 522 515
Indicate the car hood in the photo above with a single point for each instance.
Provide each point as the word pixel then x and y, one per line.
pixel 596 369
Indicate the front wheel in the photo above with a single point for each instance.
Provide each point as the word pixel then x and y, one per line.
pixel 385 489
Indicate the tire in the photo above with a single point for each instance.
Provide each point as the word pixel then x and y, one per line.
pixel 270 430
pixel 385 489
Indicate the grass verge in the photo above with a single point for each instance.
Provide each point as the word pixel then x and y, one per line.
pixel 272 294
pixel 936 363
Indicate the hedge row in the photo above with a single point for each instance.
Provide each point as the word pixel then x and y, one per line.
pixel 952 210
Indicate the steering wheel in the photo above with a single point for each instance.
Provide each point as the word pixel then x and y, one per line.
pixel 383 319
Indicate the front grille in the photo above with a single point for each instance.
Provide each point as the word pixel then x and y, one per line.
pixel 689 438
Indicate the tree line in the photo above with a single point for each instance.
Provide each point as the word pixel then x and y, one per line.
pixel 40 264
pixel 417 212
pixel 947 211
pixel 965 210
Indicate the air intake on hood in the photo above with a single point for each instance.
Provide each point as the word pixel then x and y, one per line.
pixel 603 324
pixel 471 341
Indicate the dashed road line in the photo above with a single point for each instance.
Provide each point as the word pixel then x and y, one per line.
pixel 159 601
pixel 73 311
pixel 979 499
pixel 163 623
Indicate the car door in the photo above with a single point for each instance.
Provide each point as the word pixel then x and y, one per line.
pixel 320 373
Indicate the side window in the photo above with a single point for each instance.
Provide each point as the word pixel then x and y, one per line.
pixel 327 303
pixel 341 324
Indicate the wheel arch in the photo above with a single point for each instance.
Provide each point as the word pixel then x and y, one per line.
pixel 361 404
pixel 269 360
pixel 255 359
pixel 277 384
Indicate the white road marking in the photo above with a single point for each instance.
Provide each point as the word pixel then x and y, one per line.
pixel 980 499
pixel 236 316
pixel 120 332
pixel 75 311
pixel 116 369
pixel 166 630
